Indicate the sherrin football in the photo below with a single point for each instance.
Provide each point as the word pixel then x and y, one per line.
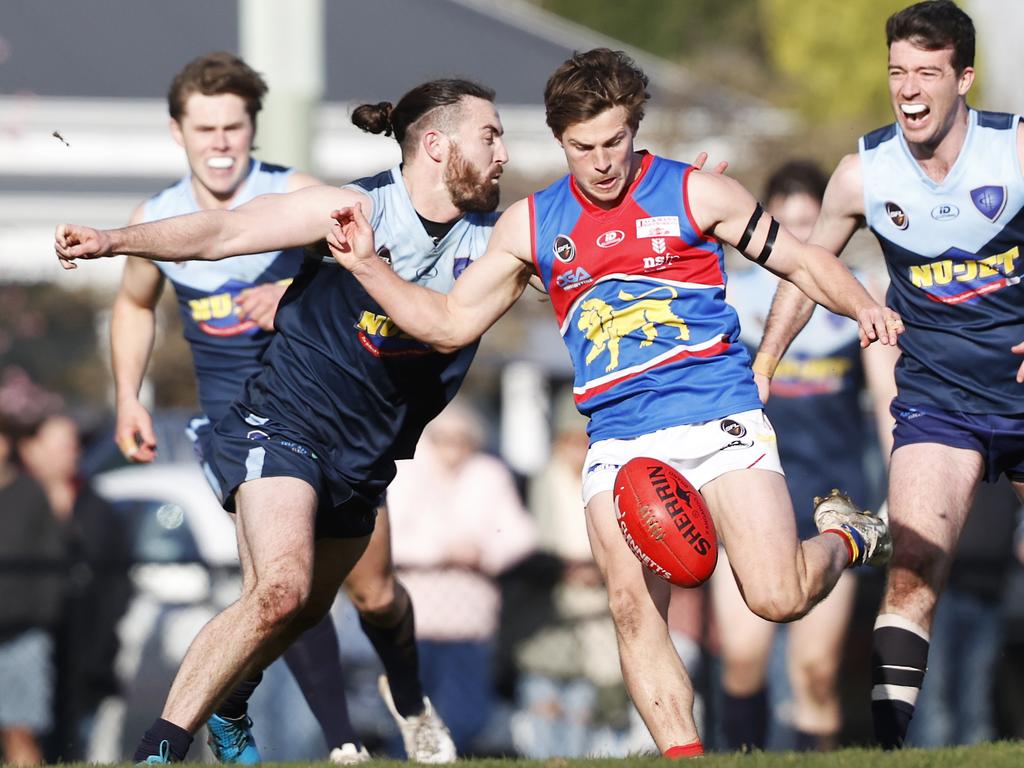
pixel 665 522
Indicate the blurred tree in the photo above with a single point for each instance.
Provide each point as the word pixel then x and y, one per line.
pixel 669 28
pixel 832 55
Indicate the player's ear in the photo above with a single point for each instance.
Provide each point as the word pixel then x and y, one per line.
pixel 966 81
pixel 435 144
pixel 176 133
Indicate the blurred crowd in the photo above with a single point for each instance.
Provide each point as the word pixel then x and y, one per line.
pixel 517 646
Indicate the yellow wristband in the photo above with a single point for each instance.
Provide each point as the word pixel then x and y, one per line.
pixel 765 364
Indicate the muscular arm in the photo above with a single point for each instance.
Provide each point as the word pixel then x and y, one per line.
pixel 132 329
pixel 481 295
pixel 267 223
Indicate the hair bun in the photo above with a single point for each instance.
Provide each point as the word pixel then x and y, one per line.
pixel 374 118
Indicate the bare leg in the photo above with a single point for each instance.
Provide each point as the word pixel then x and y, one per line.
pixel 654 676
pixel 779 576
pixel 931 488
pixel 19 747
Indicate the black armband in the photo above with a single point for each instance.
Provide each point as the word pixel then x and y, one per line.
pixel 773 231
pixel 755 217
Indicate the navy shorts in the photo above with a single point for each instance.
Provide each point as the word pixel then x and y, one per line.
pixel 999 439
pixel 805 482
pixel 243 446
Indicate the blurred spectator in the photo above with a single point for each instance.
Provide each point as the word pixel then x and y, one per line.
pixel 31 583
pixel 98 588
pixel 815 407
pixel 569 667
pixel 956 701
pixel 457 522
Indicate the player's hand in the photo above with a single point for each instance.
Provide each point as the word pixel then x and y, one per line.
pixel 259 303
pixel 764 386
pixel 73 241
pixel 879 324
pixel 351 237
pixel 1018 349
pixel 134 433
pixel 703 158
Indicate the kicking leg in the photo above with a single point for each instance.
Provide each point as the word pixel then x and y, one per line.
pixel 931 488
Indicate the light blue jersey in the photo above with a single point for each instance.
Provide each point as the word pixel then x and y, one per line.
pixel 226 349
pixel 953 253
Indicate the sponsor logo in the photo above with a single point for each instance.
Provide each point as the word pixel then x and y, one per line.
pixel 654 263
pixel 574 278
pixel 671 497
pixel 604 467
pixel 990 200
pixel 658 244
pixel 945 212
pixel 218 315
pixel 256 434
pixel 564 248
pixel 964 279
pixel 425 273
pixel 610 238
pixel 658 226
pixel 384 254
pixel 733 428
pixel 382 338
pixel 737 444
pixel 460 266
pixel 604 326
pixel 298 448
pixel 897 216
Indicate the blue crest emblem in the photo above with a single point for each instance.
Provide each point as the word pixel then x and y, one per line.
pixel 990 200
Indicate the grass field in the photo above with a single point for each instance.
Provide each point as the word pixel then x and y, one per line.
pixel 1003 754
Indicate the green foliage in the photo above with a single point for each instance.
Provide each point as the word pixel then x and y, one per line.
pixel 833 55
pixel 673 29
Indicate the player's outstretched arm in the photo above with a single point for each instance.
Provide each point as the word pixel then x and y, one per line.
pixel 266 223
pixel 450 321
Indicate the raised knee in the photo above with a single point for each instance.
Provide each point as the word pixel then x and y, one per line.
pixel 278 602
pixel 377 599
pixel 776 605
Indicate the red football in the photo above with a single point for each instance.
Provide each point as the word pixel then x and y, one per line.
pixel 665 522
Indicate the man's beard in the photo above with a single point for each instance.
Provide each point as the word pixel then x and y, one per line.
pixel 470 190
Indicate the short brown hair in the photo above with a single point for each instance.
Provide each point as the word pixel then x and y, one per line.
pixel 592 82
pixel 934 25
pixel 212 75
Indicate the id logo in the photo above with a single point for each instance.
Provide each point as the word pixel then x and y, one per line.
pixel 574 278
pixel 610 238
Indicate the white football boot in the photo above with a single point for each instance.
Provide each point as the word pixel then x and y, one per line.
pixel 347 754
pixel 425 736
pixel 873 543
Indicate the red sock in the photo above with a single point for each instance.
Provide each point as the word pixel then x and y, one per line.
pixel 852 550
pixel 693 749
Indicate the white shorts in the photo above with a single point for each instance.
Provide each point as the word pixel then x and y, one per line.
pixel 701 452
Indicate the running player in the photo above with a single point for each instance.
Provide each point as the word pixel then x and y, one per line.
pixel 228 310
pixel 942 190
pixel 628 247
pixel 816 411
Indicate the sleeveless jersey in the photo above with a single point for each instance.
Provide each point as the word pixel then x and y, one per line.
pixel 639 294
pixel 815 392
pixel 339 371
pixel 226 350
pixel 953 253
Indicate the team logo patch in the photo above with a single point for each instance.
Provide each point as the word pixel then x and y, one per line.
pixel 564 248
pixel 384 254
pixel 460 266
pixel 733 428
pixel 945 212
pixel 658 245
pixel 658 226
pixel 990 200
pixel 257 434
pixel 610 238
pixel 573 278
pixel 897 216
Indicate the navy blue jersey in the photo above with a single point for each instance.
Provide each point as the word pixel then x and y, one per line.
pixel 339 374
pixel 225 348
pixel 953 253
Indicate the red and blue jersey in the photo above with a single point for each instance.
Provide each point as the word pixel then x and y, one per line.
pixel 953 250
pixel 639 295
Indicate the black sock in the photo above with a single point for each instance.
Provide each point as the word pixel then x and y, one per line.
pixel 178 741
pixel 816 742
pixel 315 663
pixel 236 704
pixel 396 647
pixel 745 720
pixel 898 665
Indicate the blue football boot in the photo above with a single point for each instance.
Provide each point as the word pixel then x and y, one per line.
pixel 232 740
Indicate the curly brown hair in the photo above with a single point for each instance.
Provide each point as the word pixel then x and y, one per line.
pixel 590 83
pixel 212 75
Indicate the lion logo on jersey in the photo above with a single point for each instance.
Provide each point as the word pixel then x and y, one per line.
pixel 605 326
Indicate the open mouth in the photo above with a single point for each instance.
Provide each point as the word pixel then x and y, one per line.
pixel 220 162
pixel 605 184
pixel 914 114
